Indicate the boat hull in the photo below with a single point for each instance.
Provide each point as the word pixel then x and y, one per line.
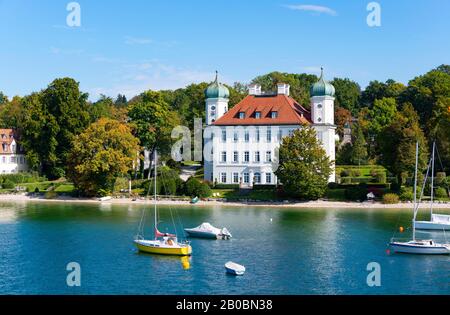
pixel 199 234
pixel 429 225
pixel 156 248
pixel 410 248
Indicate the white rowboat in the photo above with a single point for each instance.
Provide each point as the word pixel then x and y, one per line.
pixel 234 269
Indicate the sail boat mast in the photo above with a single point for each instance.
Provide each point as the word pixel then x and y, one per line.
pixel 415 190
pixel 156 219
pixel 432 178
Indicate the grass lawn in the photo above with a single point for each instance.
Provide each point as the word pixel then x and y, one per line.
pixel 363 169
pixel 65 188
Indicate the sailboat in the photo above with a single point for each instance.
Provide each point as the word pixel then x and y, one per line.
pixel 414 246
pixel 440 222
pixel 163 243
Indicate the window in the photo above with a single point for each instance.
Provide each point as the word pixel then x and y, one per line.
pixel 235 178
pixel 223 157
pixel 246 156
pixel 246 178
pixel 4 159
pixel 223 177
pixel 241 115
pixel 268 178
pixel 224 136
pixel 319 106
pixel 274 114
pixel 13 148
pixel 235 156
pixel 5 147
pixel 280 134
pixel 21 160
pixel 213 107
pixel 257 178
pixel 247 136
pixel 291 133
pixel 257 157
pixel 257 135
pixel 257 115
pixel 235 137
pixel 13 159
pixel 268 156
pixel 269 135
pixel 213 114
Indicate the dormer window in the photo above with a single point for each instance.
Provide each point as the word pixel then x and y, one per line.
pixel 257 115
pixel 274 114
pixel 241 115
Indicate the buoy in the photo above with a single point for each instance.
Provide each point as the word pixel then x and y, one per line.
pixel 388 251
pixel 401 229
pixel 271 219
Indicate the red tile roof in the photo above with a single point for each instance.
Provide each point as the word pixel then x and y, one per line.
pixel 289 112
pixel 6 138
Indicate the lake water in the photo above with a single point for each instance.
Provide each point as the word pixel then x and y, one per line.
pixel 285 251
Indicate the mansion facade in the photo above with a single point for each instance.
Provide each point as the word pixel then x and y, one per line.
pixel 244 140
pixel 12 157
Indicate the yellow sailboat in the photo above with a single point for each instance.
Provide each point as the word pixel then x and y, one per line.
pixel 163 243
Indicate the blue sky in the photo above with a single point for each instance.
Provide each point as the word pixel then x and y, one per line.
pixel 130 46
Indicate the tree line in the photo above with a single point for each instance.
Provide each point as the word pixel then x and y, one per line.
pixel 66 135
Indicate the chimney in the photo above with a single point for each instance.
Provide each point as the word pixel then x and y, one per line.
pixel 254 89
pixel 283 88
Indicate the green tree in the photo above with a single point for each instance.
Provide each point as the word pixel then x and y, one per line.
pixel 359 145
pixel 347 94
pixel 51 120
pixel 3 98
pixel 304 167
pixel 377 90
pixel 11 113
pixel 103 108
pixel 300 84
pixel 398 143
pixel 103 152
pixel 153 121
pixel 381 115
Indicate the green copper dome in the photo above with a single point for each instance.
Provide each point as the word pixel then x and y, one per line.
pixel 322 87
pixel 217 90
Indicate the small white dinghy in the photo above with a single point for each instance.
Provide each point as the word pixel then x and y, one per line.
pixel 206 230
pixel 234 269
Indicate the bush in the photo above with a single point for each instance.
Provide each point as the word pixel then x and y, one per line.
pixel 50 195
pixel 440 178
pixel 346 180
pixel 121 184
pixel 356 193
pixel 373 172
pixel 406 194
pixel 381 178
pixel 441 192
pixel 264 187
pixel 195 188
pixel 8 184
pixel 345 173
pixel 226 186
pixel 356 173
pixel 390 198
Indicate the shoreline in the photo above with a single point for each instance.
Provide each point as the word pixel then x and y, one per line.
pixel 306 204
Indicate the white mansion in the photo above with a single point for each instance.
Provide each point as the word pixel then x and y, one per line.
pixel 12 157
pixel 244 140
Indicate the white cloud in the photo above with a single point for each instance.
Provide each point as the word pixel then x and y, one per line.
pixel 137 41
pixel 152 74
pixel 312 8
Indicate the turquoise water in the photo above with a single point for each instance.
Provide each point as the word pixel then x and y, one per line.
pixel 285 251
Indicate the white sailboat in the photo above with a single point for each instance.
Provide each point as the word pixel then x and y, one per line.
pixel 163 243
pixel 414 246
pixel 438 222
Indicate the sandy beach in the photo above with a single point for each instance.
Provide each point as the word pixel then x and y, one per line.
pixel 308 204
